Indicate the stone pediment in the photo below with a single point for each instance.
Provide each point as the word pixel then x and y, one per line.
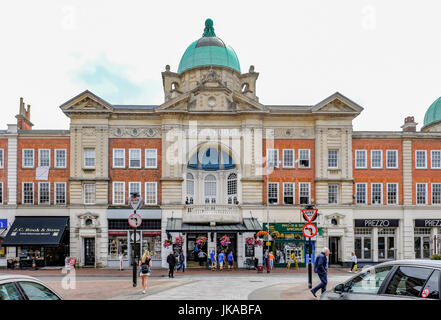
pixel 86 102
pixel 337 104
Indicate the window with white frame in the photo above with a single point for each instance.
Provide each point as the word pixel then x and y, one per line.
pixel 151 156
pixel 232 188
pixel 392 193
pixel 435 159
pixel 60 158
pixel 288 193
pixel 134 187
pixel 60 192
pixel 332 193
pixel 376 158
pixel 119 196
pixel 361 193
pixel 273 158
pixel 420 159
pixel 210 189
pixel 89 158
pixel 377 193
pixel 273 193
pixel 1 192
pixel 44 193
pixel 150 193
pixel 119 158
pixel 190 189
pixel 360 159
pixel 28 158
pixel 304 158
pixel 134 158
pixel 436 193
pixel 28 193
pixel 44 157
pixel 421 193
pixel 288 158
pixel 304 192
pixel 2 157
pixel 89 193
pixel 392 159
pixel 332 159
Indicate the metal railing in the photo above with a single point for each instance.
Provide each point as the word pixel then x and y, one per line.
pixel 212 212
pixel 213 209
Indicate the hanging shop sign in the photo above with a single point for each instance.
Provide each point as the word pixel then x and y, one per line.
pixel 427 222
pixel 370 223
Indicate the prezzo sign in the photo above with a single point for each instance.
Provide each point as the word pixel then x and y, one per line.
pixel 427 222
pixel 376 223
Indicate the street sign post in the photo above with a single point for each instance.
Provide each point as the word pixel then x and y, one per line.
pixel 135 221
pixel 309 231
pixel 309 214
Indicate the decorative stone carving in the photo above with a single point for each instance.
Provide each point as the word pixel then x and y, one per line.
pixel 133 132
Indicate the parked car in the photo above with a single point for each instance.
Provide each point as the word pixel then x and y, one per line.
pixel 18 287
pixel 394 280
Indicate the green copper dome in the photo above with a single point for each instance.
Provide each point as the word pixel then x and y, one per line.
pixel 433 114
pixel 208 51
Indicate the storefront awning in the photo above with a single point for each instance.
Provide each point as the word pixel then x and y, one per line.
pixel 36 231
pixel 248 225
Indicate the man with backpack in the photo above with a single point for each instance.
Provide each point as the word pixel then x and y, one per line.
pixel 321 268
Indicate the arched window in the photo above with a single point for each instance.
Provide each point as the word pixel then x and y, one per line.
pixel 232 188
pixel 210 189
pixel 190 189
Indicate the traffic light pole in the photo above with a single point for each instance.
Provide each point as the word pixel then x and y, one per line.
pixel 135 265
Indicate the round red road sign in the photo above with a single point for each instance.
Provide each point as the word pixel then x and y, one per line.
pixel 135 220
pixel 425 293
pixel 310 230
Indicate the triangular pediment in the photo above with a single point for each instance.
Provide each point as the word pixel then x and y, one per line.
pixel 245 104
pixel 177 104
pixel 86 102
pixel 337 104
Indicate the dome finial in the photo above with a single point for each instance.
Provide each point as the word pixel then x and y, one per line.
pixel 209 30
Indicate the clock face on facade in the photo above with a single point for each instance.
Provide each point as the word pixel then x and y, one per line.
pixel 211 101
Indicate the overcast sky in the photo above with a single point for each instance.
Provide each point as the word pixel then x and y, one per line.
pixel 384 55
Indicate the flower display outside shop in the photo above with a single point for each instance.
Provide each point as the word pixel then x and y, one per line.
pixel 249 240
pixel 179 240
pixel 167 243
pixel 258 243
pixel 225 241
pixel 262 234
pixel 200 241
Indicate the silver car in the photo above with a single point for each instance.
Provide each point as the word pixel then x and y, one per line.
pixel 18 287
pixel 394 280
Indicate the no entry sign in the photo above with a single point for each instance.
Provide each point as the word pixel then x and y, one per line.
pixel 310 230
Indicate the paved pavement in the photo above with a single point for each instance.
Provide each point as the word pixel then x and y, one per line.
pixel 194 284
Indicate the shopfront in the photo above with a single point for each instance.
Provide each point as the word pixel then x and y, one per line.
pixel 427 238
pixel 39 241
pixel 121 237
pixel 288 239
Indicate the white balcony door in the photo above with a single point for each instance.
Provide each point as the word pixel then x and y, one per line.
pixel 210 189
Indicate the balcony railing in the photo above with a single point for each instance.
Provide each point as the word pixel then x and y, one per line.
pixel 212 213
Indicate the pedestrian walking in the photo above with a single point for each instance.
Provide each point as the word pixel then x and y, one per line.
pixel 195 252
pixel 354 262
pixel 145 265
pixel 230 259
pixel 181 261
pixel 202 257
pixel 213 260
pixel 171 260
pixel 265 258
pixel 120 262
pixel 271 260
pixel 221 258
pixel 321 268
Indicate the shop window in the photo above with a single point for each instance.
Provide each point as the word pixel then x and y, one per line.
pixel 118 246
pixel 60 193
pixel 421 193
pixel 392 193
pixel 273 193
pixel 377 193
pixel 288 158
pixel 60 158
pixel 288 193
pixel 89 158
pixel 363 243
pixel 152 243
pixel 43 193
pixel 28 193
pixel 377 159
pixel 119 193
pixel 436 193
pixel 408 281
pixel 28 158
pixel 134 158
pixel 119 157
pixel 304 158
pixel 304 193
pixel 361 193
pixel 421 159
pixel 44 157
pixel 150 158
pixel 333 159
pixel 360 159
pixel 435 159
pixel 332 193
pixel 150 193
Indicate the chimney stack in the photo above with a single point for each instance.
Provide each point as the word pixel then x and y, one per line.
pixel 409 124
pixel 24 117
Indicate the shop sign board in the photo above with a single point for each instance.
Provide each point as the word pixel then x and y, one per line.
pixel 370 223
pixel 428 223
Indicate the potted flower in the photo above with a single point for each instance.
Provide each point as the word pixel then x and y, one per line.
pixel 262 234
pixel 200 241
pixel 225 241
pixel 258 243
pixel 249 240
pixel 167 243
pixel 179 240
